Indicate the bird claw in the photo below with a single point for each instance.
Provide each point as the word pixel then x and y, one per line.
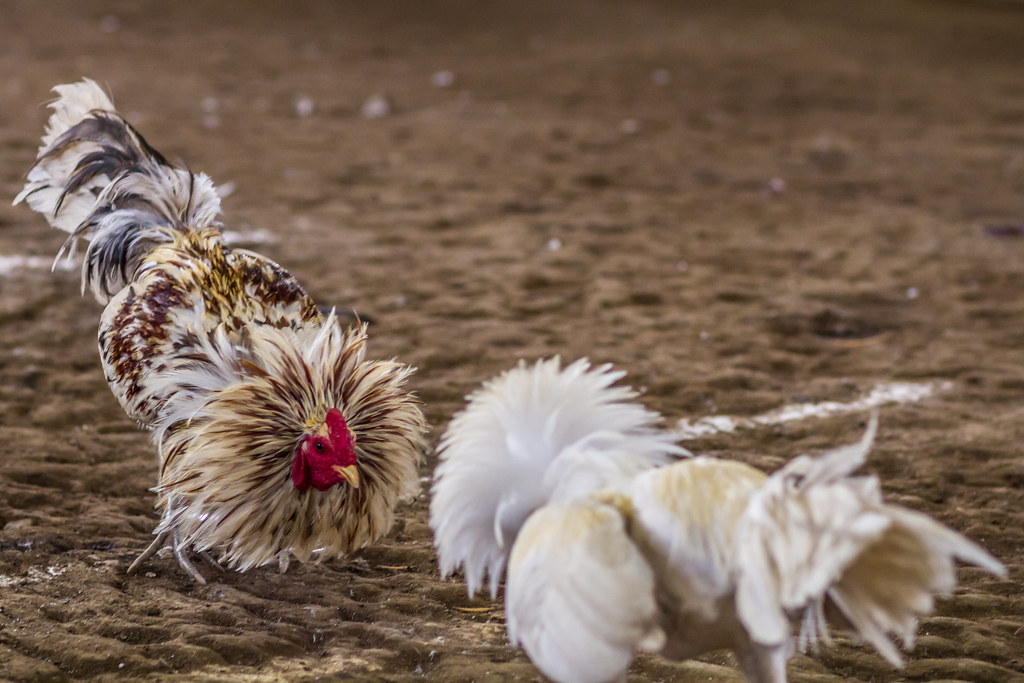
pixel 180 552
pixel 186 564
pixel 149 552
pixel 205 556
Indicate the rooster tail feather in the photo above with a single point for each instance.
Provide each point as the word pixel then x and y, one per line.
pixel 97 178
pixel 501 457
pixel 814 533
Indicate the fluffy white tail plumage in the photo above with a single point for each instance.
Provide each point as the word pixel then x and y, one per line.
pixel 96 178
pixel 530 436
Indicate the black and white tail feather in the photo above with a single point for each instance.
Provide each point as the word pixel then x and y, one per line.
pixel 96 178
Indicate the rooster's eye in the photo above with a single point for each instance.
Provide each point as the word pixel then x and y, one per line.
pixel 319 446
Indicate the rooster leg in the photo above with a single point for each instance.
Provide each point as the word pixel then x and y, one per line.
pixel 210 561
pixel 156 545
pixel 763 663
pixel 181 553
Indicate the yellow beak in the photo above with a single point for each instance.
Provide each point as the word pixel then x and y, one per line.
pixel 349 474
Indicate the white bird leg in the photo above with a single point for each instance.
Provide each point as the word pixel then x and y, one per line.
pixel 206 557
pixel 763 663
pixel 181 552
pixel 156 545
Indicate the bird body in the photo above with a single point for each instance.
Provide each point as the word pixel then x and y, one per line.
pixel 277 437
pixel 193 282
pixel 679 524
pixel 692 555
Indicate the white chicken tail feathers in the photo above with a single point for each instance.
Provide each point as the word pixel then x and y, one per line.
pixel 97 178
pixel 498 454
pixel 580 595
pixel 813 533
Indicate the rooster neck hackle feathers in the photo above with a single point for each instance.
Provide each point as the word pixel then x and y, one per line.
pixel 813 531
pixel 230 473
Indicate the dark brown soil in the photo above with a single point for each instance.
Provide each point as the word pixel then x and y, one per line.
pixel 743 204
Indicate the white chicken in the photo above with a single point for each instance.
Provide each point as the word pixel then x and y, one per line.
pixel 611 551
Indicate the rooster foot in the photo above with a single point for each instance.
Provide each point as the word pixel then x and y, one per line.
pixel 182 554
pixel 206 557
pixel 149 552
pixel 179 552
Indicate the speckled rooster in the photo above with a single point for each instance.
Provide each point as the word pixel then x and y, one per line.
pixel 277 438
pixel 611 547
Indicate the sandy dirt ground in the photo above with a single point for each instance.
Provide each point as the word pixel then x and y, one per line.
pixel 742 204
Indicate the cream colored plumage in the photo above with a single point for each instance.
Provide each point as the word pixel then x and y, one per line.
pixel 579 630
pixel 702 554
